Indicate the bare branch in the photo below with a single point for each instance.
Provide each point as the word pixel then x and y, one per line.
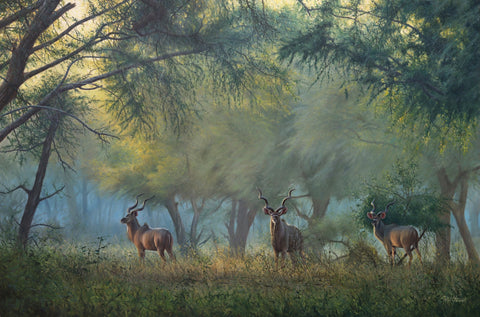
pixel 300 214
pixel 46 225
pixel 53 194
pixel 25 189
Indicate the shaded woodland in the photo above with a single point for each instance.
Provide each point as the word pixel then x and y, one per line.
pixel 200 102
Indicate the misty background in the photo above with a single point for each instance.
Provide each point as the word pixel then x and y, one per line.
pixel 199 103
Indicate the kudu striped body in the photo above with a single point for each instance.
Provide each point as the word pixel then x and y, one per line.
pixel 285 238
pixel 394 236
pixel 146 238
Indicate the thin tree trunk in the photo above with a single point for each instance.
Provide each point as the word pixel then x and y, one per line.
pixel 34 194
pixel 458 210
pixel 84 197
pixel 474 216
pixel 443 236
pixel 194 239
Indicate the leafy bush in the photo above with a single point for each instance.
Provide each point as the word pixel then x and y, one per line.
pixel 414 204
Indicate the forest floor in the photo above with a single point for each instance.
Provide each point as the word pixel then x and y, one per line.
pixel 108 280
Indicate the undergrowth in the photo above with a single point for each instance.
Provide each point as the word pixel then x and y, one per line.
pixel 100 280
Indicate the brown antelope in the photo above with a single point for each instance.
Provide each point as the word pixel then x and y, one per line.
pixel 394 236
pixel 285 237
pixel 146 238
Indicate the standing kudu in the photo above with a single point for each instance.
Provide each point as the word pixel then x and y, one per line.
pixel 146 238
pixel 394 236
pixel 285 237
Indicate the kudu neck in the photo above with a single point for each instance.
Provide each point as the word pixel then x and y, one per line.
pixel 379 230
pixel 132 228
pixel 276 226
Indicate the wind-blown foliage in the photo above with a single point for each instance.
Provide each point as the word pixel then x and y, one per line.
pixel 423 54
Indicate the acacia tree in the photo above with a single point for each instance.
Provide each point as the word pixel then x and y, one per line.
pixel 334 149
pixel 47 36
pixel 424 56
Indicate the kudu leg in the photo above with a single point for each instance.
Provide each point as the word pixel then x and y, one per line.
pixel 284 258
pixel 293 258
pixel 171 255
pixel 275 253
pixel 141 254
pixel 410 257
pixel 419 255
pixel 161 252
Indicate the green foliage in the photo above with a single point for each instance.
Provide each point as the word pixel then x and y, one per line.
pixel 202 48
pixel 414 204
pixel 423 55
pixel 73 280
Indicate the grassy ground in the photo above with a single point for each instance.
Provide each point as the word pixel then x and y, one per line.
pixel 93 280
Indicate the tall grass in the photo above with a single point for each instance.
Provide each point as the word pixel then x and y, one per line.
pixel 99 280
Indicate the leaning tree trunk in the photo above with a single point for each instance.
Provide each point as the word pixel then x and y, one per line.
pixel 474 217
pixel 241 220
pixel 458 210
pixel 15 77
pixel 448 189
pixel 34 194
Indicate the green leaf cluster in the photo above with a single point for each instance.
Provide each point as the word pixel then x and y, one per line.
pixel 414 204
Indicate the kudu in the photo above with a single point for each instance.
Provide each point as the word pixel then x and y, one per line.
pixel 285 238
pixel 394 236
pixel 146 238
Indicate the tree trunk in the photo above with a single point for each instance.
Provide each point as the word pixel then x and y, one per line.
pixel 172 207
pixel 474 220
pixel 34 194
pixel 194 239
pixel 458 210
pixel 241 220
pixel 84 197
pixel 320 206
pixel 448 190
pixel 15 75
pixel 443 238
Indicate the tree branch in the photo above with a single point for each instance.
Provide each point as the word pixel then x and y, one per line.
pixel 25 189
pixel 53 194
pixel 86 126
pixel 19 14
pixel 73 26
pixel 78 85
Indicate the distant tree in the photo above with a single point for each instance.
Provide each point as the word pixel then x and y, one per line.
pixel 335 142
pixel 423 56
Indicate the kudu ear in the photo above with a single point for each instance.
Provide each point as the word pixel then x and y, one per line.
pixel 135 213
pixel 370 215
pixel 284 211
pixel 382 215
